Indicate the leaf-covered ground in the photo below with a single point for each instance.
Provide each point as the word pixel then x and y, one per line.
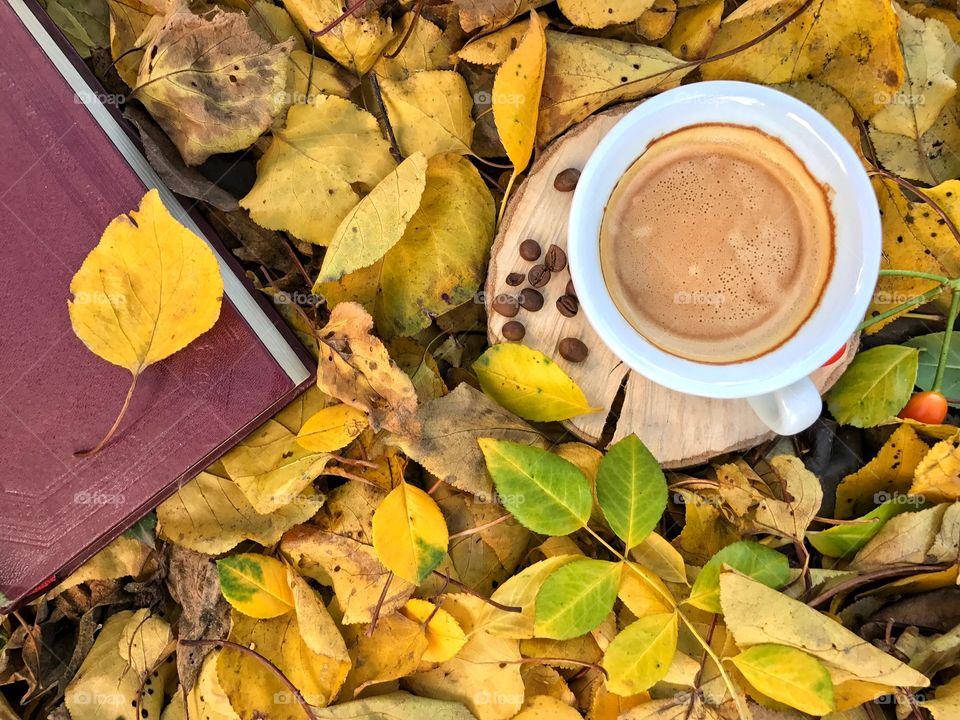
pixel 418 536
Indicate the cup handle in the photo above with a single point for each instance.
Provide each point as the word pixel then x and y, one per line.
pixel 791 409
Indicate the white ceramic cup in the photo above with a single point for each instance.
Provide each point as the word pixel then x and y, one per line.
pixel 776 384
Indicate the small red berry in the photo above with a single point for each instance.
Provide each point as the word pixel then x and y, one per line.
pixel 926 407
pixel 836 356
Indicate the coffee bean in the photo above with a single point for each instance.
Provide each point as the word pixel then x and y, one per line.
pixel 531 299
pixel 573 350
pixel 506 305
pixel 529 249
pixel 566 180
pixel 556 259
pixel 568 305
pixel 514 331
pixel 569 289
pixel 538 275
pixel 515 279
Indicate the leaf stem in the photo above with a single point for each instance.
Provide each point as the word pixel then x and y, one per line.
pixel 947 337
pixel 914 274
pixel 902 307
pixel 116 423
pixel 742 711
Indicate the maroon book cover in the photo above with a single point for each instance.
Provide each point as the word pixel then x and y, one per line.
pixel 67 169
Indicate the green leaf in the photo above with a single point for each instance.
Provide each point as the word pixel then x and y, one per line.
pixel 843 540
pixel 640 656
pixel 576 598
pixel 631 490
pixel 746 557
pixel 789 676
pixel 544 492
pixel 529 384
pixel 875 386
pixel 929 347
pixel 256 585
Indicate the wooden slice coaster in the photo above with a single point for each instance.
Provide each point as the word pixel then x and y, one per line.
pixel 680 430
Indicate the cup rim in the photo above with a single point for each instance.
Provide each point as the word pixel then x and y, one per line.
pixel 852 194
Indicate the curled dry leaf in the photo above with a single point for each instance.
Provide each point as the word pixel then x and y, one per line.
pixel 815 45
pixel 148 289
pixel 493 13
pixel 211 82
pixel 355 368
pixel 308 179
pixel 440 260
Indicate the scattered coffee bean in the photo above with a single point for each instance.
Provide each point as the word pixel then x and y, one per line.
pixel 529 249
pixel 573 350
pixel 506 305
pixel 515 279
pixel 538 275
pixel 568 305
pixel 514 331
pixel 556 259
pixel 566 180
pixel 531 300
pixel 569 289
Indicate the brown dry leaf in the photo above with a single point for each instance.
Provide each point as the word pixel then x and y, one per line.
pixel 211 82
pixel 414 359
pixel 937 476
pixel 357 40
pixel 906 538
pixel 393 651
pixel 584 74
pixel 946 544
pixel 850 46
pixel 493 13
pixel 210 514
pixel 337 550
pixel 447 445
pixel 355 368
pixel 758 615
pixel 484 560
pixel 802 496
pixel 316 169
pixel 890 472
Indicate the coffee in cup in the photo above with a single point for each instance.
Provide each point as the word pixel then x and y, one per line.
pixel 717 243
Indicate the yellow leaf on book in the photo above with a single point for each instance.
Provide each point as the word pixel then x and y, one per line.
pixel 149 288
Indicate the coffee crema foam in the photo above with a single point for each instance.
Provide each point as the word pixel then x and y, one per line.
pixel 717 243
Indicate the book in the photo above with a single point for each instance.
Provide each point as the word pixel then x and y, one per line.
pixel 67 167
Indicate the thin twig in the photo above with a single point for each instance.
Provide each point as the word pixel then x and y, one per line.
pixel 334 23
pixel 379 606
pixel 481 528
pixel 881 574
pixel 417 9
pixel 394 147
pixel 470 591
pixel 350 461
